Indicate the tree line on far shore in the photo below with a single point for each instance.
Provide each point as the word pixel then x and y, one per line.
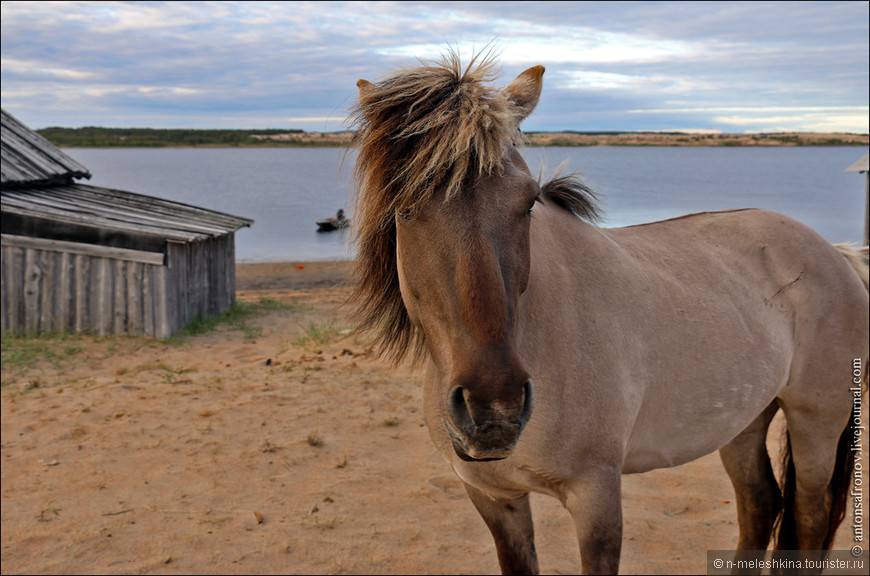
pixel 98 137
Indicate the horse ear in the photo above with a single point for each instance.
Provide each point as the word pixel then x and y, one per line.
pixel 365 88
pixel 525 90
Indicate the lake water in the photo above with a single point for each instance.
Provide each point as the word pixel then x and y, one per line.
pixel 285 190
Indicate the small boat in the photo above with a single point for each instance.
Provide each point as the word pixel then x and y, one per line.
pixel 331 224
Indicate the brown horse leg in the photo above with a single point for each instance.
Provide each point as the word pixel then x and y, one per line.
pixel 510 521
pixel 818 467
pixel 815 457
pixel 758 497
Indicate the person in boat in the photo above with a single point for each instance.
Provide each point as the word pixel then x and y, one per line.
pixel 340 221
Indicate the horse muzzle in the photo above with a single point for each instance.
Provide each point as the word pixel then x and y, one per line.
pixel 493 437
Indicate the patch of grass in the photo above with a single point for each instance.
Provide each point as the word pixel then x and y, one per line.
pixel 273 304
pixel 327 525
pixel 23 351
pixel 48 513
pixel 315 439
pixel 72 350
pixel 236 318
pixel 318 334
pixel 172 376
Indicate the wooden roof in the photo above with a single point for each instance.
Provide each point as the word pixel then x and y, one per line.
pixel 104 208
pixel 38 183
pixel 29 159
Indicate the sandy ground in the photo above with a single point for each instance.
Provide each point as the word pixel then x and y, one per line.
pixel 252 450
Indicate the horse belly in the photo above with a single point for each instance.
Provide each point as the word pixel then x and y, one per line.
pixel 698 396
pixel 689 418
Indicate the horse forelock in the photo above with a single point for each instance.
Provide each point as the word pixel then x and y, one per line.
pixel 420 132
pixel 429 128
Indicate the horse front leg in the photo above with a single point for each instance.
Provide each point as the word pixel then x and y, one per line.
pixel 510 522
pixel 595 504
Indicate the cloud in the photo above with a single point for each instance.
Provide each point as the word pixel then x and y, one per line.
pixel 310 119
pixel 274 62
pixel 549 44
pixel 606 81
pixel 832 121
pixel 854 119
pixel 36 68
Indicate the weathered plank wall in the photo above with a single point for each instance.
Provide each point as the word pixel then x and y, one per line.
pixel 201 279
pixel 55 286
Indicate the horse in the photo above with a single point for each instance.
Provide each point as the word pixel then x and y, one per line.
pixel 560 355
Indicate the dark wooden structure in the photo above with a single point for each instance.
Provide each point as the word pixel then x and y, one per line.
pixel 862 165
pixel 80 258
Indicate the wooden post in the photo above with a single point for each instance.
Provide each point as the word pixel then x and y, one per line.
pixel 862 167
pixel 867 210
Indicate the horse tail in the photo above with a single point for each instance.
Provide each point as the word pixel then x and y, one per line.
pixel 857 257
pixel 845 463
pixel 842 477
pixel 785 529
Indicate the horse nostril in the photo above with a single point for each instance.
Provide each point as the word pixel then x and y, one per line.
pixel 528 404
pixel 457 407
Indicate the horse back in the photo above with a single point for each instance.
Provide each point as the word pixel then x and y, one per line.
pixel 764 256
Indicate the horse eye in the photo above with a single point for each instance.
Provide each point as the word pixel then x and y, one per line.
pixel 532 205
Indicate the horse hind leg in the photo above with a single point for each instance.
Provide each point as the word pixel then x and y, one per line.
pixel 817 470
pixel 759 500
pixel 510 522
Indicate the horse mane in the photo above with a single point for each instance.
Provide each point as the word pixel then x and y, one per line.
pixel 573 195
pixel 422 131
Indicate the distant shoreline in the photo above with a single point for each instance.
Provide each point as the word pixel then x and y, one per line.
pixel 93 137
pixel 692 139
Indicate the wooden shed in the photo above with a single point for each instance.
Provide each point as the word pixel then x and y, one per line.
pixel 80 258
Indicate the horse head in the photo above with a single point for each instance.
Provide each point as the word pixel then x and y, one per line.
pixel 461 206
pixel 463 264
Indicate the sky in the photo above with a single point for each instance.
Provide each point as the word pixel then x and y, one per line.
pixel 729 67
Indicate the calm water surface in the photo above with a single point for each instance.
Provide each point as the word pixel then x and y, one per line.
pixel 285 190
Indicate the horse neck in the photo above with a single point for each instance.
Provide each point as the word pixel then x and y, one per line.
pixel 571 261
pixel 561 243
